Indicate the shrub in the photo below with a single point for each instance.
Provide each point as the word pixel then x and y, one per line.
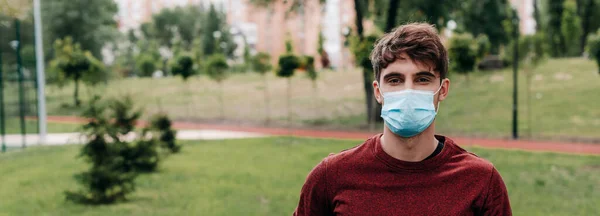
pixel 261 62
pixel 593 47
pixel 216 67
pixel 288 63
pixel 462 53
pixel 183 66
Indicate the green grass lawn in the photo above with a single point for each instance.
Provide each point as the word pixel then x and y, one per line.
pixel 563 100
pixel 13 126
pixel 264 177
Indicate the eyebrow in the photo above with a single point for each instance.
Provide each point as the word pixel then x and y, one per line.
pixel 425 73
pixel 391 74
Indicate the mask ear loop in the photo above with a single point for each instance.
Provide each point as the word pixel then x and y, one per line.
pixel 438 103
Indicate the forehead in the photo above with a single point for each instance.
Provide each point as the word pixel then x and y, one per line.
pixel 406 66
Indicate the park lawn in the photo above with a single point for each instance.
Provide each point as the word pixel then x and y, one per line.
pixel 563 100
pixel 13 126
pixel 263 176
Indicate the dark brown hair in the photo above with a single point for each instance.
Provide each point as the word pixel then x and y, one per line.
pixel 419 41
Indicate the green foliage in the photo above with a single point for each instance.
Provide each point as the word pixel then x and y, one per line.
pixel 308 63
pixel 462 53
pixel 161 124
pixel 483 46
pixel 571 28
pixel 484 17
pixel 115 160
pixel 533 50
pixel 183 66
pixel 216 38
pixel 216 67
pixel 593 47
pixel 146 65
pixel 89 23
pixel 110 177
pixel 261 63
pixel 556 38
pixel 71 62
pixel 320 42
pixel 289 47
pixel 288 63
pixel 362 50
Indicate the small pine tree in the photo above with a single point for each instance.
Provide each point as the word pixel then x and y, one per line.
pixel 111 177
pixel 261 64
pixel 216 68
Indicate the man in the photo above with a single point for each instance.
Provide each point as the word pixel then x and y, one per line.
pixel 407 170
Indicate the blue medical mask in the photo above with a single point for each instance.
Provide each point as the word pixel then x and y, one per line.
pixel 408 112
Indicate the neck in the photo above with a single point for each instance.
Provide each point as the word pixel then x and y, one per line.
pixel 411 149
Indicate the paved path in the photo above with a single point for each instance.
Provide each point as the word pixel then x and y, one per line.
pixel 15 140
pixel 574 148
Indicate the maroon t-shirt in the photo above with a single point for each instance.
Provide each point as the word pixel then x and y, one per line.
pixel 365 180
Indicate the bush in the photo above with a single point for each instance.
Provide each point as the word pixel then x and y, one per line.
pixel 483 46
pixel 166 134
pixel 288 63
pixel 593 47
pixel 216 67
pixel 308 63
pixel 261 62
pixel 146 65
pixel 183 66
pixel 462 53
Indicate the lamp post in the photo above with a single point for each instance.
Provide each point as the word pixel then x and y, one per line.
pixel 515 24
pixel 2 118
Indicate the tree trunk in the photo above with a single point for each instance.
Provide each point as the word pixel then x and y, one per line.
pixel 391 15
pixel 359 17
pixel 367 80
pixel 267 109
pixel 76 93
pixel 221 100
pixel 529 119
pixel 315 97
pixel 585 23
pixel 289 98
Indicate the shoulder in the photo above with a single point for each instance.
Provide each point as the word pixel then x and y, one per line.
pixel 468 160
pixel 351 155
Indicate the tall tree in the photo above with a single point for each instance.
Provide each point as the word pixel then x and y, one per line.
pixel 590 19
pixel 485 17
pixel 90 23
pixel 557 39
pixel 571 29
pixel 536 15
pixel 391 15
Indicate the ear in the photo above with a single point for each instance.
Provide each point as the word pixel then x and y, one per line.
pixel 377 92
pixel 444 90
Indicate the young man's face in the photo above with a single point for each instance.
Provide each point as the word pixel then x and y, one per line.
pixel 404 74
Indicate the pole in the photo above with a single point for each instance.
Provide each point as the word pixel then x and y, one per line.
pixel 40 78
pixel 21 80
pixel 2 117
pixel 515 134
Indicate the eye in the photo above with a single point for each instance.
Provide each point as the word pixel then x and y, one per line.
pixel 394 81
pixel 423 79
